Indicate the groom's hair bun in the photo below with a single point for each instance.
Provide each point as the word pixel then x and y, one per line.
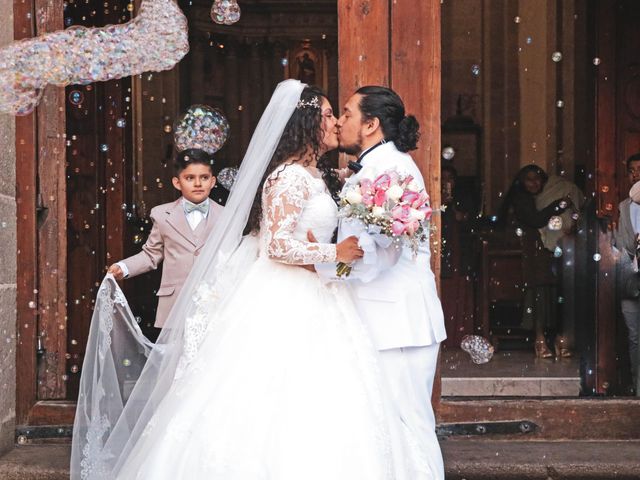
pixel 408 134
pixel 387 106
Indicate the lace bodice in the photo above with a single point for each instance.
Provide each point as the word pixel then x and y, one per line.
pixel 294 202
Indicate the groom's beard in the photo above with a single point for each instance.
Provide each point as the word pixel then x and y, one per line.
pixel 354 148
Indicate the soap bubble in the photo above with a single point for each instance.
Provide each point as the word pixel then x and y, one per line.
pixel 478 347
pixel 201 127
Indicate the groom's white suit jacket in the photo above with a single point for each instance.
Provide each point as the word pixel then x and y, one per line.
pixel 401 304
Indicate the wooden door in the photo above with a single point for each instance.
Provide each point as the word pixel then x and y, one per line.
pixel 617 86
pixel 72 172
pixel 627 143
pixel 397 44
pixel 41 230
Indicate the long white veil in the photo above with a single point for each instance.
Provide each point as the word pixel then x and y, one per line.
pixel 124 376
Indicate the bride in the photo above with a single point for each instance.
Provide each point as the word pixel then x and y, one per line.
pixel 262 371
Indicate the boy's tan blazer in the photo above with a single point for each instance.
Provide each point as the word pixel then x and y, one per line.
pixel 171 240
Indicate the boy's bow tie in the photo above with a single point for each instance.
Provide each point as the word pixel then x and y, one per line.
pixel 192 207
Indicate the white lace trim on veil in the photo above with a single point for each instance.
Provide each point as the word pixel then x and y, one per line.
pixel 124 376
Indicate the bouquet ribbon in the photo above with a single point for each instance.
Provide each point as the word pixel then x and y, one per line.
pixel 369 238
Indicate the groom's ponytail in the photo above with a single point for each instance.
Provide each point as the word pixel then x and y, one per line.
pixel 408 134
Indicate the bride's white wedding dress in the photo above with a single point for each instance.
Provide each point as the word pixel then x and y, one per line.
pixel 284 384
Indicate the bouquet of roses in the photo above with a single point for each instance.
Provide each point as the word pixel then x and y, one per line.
pixel 390 208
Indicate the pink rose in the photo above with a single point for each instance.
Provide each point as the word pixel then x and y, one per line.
pixel 408 179
pixel 379 198
pixel 397 228
pixel 401 213
pixel 383 181
pixel 422 199
pixel 367 200
pixel 427 212
pixel 410 197
pixel 366 187
pixel 412 226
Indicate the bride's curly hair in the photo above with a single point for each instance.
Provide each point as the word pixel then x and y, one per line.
pixel 302 132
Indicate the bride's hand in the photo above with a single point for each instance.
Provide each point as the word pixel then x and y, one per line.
pixel 348 250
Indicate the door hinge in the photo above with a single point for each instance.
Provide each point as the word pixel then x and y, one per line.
pixel 521 427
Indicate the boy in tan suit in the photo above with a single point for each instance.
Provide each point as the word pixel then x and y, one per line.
pixel 179 231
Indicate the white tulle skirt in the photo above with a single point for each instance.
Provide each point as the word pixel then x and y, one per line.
pixel 285 386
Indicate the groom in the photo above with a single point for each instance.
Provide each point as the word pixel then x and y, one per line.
pixel 400 305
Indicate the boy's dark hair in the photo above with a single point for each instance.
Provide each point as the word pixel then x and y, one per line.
pixel 386 105
pixel 633 158
pixel 191 156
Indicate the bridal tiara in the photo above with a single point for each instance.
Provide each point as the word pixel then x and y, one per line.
pixel 313 103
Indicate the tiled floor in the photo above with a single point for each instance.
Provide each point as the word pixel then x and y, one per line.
pixel 509 373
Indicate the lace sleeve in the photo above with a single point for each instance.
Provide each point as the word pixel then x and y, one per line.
pixel 285 194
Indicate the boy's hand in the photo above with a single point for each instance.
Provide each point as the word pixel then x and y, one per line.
pixel 116 271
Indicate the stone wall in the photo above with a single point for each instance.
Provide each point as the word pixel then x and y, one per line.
pixel 7 258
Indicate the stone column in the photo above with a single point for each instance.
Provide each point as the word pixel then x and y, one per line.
pixel 7 259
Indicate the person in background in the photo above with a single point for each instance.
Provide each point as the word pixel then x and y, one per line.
pixel 626 237
pixel 540 293
pixel 558 236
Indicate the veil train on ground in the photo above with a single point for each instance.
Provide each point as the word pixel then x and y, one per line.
pixel 125 376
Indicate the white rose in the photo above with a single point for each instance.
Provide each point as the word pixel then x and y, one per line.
pixel 368 173
pixel 377 211
pixel 394 193
pixel 353 197
pixel 413 186
pixel 416 215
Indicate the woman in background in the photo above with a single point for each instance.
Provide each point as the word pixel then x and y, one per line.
pixel 520 207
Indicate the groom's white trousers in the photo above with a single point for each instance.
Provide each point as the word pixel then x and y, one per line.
pixel 410 372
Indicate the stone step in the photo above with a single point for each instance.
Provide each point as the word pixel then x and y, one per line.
pixel 510 374
pixel 465 459
pixel 486 459
pixel 36 462
pixel 511 387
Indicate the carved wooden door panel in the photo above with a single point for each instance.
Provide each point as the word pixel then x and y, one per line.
pixel 617 136
pixel 71 178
